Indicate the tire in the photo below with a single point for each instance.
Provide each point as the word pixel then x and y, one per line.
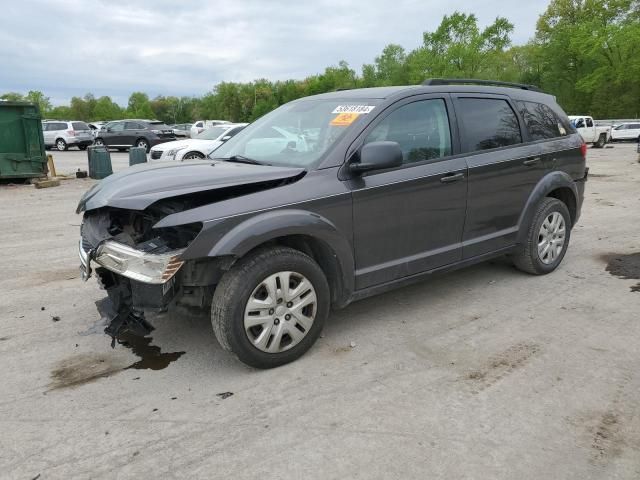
pixel 246 280
pixel 528 257
pixel 121 149
pixel 143 143
pixel 602 140
pixel 82 147
pixel 99 142
pixel 193 156
pixel 61 145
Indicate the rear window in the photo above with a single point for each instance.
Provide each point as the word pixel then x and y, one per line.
pixel 488 123
pixel 542 123
pixel 80 126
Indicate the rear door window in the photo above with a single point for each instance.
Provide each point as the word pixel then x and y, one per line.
pixel 420 128
pixel 132 126
pixel 589 122
pixel 542 123
pixel 488 123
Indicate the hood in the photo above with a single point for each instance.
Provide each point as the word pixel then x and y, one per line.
pixel 139 186
pixel 193 142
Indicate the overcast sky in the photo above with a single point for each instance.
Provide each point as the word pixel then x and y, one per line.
pixel 182 47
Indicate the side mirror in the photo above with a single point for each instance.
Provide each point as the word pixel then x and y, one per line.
pixel 225 138
pixel 378 156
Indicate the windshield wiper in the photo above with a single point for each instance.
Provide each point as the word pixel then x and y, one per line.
pixel 241 159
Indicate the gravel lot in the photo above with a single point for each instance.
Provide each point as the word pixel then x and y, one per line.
pixel 484 373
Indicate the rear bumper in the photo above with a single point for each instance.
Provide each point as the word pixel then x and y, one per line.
pixel 580 186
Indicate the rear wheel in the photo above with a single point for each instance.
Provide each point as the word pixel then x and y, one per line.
pixel 547 239
pixel 99 142
pixel 601 141
pixel 143 143
pixel 270 307
pixel 61 145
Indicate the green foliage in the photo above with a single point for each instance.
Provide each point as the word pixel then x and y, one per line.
pixel 585 52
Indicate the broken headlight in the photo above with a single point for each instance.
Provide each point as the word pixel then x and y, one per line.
pixel 138 265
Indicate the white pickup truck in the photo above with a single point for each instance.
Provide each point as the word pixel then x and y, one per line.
pixel 590 133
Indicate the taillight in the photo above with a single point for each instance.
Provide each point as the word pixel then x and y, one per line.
pixel 71 133
pixel 583 150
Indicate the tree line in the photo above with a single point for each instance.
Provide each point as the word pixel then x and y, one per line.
pixel 585 52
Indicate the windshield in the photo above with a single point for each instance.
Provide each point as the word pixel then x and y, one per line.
pixel 211 133
pixel 297 134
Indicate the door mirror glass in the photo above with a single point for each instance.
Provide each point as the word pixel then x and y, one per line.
pixel 378 156
pixel 225 138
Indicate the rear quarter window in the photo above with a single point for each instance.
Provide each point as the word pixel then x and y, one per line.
pixel 541 122
pixel 488 123
pixel 80 126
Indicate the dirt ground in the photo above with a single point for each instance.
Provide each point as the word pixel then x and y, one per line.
pixel 484 373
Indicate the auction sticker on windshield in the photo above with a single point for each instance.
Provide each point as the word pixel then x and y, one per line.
pixel 353 109
pixel 344 119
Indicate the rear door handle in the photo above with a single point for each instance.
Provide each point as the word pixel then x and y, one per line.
pixel 452 178
pixel 531 161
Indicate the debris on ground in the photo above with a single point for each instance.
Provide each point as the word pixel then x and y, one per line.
pixel 56 318
pixel 46 183
pixel 224 395
pixel 352 344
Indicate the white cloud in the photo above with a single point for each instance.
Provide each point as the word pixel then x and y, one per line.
pixel 114 47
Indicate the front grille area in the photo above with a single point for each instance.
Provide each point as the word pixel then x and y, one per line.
pixel 155 154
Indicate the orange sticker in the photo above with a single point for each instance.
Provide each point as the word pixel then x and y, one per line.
pixel 344 119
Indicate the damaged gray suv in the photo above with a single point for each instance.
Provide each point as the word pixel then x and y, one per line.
pixel 333 198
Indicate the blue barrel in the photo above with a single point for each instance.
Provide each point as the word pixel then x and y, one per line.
pixel 99 162
pixel 137 155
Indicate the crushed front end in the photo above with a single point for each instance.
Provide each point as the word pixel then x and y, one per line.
pixel 140 266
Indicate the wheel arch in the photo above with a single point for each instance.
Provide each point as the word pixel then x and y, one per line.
pixel 302 230
pixel 557 185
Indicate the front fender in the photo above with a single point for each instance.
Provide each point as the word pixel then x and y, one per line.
pixel 549 183
pixel 235 237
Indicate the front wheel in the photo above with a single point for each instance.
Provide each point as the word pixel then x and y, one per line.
pixel 547 238
pixel 98 142
pixel 61 145
pixel 270 307
pixel 193 156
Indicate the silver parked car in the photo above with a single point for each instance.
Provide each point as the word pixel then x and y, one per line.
pixel 182 129
pixel 64 134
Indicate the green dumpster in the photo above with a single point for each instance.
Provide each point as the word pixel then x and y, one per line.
pixel 137 155
pixel 99 162
pixel 22 153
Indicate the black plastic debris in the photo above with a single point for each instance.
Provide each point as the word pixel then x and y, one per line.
pixel 224 395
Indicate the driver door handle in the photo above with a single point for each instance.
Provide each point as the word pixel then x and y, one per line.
pixel 452 178
pixel 531 161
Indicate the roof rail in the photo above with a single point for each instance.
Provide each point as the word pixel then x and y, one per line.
pixel 475 81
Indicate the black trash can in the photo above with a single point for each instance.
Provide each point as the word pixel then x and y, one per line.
pixel 137 155
pixel 99 162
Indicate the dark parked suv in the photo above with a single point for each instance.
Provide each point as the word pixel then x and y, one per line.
pixel 333 198
pixel 124 134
